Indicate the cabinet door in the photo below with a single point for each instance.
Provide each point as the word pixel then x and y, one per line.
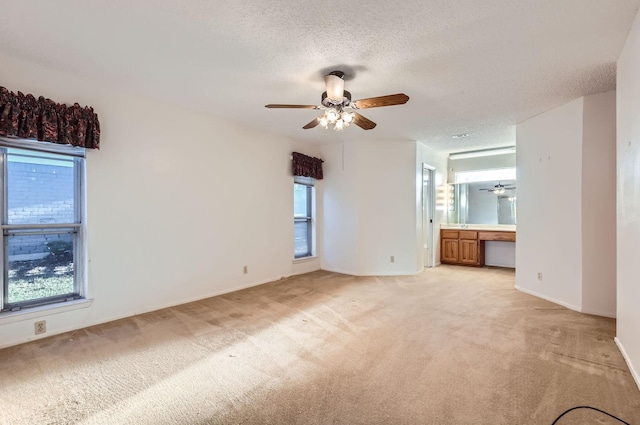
pixel 450 250
pixel 468 251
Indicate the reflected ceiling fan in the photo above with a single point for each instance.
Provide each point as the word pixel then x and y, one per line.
pixel 500 188
pixel 339 109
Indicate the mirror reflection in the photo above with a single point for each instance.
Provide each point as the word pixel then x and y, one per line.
pixel 490 202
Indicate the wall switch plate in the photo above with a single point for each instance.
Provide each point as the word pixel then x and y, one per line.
pixel 539 275
pixel 245 269
pixel 392 259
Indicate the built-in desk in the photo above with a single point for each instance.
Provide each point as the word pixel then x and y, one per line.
pixel 466 246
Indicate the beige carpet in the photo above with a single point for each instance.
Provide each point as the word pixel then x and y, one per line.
pixel 452 345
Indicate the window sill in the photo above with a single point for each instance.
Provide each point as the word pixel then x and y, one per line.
pixel 44 310
pixel 304 259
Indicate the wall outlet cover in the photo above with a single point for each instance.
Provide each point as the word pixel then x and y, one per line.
pixel 40 327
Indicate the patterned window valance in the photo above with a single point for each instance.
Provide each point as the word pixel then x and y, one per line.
pixel 307 166
pixel 26 117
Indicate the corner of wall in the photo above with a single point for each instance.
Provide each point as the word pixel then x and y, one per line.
pixel 627 359
pixel 628 198
pixel 599 204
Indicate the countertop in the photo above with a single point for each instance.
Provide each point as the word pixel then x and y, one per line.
pixel 488 227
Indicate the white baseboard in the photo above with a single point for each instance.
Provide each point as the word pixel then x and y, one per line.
pixel 553 300
pixel 332 270
pixel 634 374
pixel 611 315
pixel 506 266
pixel 63 329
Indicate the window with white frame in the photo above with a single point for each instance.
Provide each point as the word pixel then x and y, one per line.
pixel 485 175
pixel 303 215
pixel 42 223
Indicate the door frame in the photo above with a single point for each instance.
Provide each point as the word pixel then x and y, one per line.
pixel 428 216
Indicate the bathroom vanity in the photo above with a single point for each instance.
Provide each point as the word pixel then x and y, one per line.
pixel 467 245
pixel 481 224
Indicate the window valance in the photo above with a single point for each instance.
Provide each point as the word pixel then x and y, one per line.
pixel 26 117
pixel 307 166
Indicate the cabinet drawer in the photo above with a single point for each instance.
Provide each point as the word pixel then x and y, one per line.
pixel 449 234
pixel 468 234
pixel 498 236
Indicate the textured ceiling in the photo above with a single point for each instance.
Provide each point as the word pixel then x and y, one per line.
pixel 469 66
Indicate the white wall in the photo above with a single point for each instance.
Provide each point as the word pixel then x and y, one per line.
pixel 387 197
pixel 178 203
pixel 341 209
pixel 628 200
pixel 599 205
pixel 373 210
pixel 369 213
pixel 549 175
pixel 501 254
pixel 566 219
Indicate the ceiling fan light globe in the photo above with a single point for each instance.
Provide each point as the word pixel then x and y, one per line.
pixel 335 87
pixel 347 117
pixel 324 121
pixel 339 125
pixel 332 115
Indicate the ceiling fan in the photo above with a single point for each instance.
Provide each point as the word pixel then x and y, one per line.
pixel 500 188
pixel 339 109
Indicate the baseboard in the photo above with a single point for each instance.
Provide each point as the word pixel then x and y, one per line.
pixel 569 306
pixel 608 314
pixel 553 300
pixel 634 374
pixel 506 266
pixel 71 328
pixel 370 274
pixel 332 270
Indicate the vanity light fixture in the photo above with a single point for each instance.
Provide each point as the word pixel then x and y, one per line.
pixel 483 152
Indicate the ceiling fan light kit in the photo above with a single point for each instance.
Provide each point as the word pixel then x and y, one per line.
pixel 339 110
pixel 500 188
pixel 335 86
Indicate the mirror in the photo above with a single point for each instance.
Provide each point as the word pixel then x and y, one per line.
pixel 490 202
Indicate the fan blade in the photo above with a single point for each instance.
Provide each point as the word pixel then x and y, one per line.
pixel 362 122
pixel 374 102
pixel 312 124
pixel 278 106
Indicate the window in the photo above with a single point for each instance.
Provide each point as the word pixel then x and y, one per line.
pixel 303 217
pixel 485 175
pixel 42 223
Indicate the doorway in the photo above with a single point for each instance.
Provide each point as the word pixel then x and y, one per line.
pixel 428 212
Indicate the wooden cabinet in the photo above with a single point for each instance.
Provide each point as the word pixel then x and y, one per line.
pixel 449 244
pixel 468 252
pixel 449 250
pixel 466 247
pixel 497 236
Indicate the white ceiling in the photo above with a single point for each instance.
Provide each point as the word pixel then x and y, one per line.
pixel 469 66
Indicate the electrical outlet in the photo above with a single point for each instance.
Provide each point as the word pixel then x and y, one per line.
pixel 539 275
pixel 392 259
pixel 245 269
pixel 40 327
